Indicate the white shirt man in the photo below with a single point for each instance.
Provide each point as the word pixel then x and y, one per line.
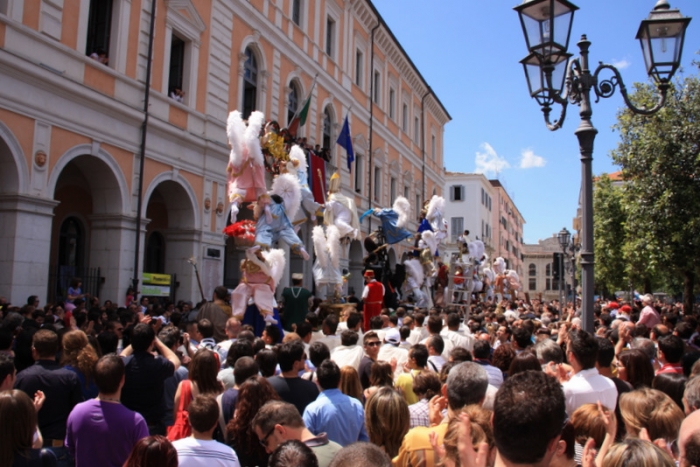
pixel 390 351
pixel 349 353
pixel 586 385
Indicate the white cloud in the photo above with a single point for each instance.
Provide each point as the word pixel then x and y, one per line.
pixel 489 162
pixel 529 160
pixel 621 64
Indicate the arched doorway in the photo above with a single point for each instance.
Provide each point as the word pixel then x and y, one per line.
pixel 172 238
pixel 89 232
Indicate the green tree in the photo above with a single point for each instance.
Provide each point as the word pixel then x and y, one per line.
pixel 660 159
pixel 609 226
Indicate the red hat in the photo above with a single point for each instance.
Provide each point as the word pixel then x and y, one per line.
pixel 369 273
pixel 613 305
pixel 626 308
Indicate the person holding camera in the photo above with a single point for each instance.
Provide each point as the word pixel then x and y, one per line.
pixel 145 375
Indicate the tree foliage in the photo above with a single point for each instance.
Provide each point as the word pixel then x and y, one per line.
pixel 660 160
pixel 609 227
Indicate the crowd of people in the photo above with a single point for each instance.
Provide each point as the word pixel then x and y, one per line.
pixel 505 383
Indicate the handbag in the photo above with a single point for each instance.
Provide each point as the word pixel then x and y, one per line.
pixel 181 428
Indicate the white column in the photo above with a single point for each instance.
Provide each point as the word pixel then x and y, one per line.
pixel 25 236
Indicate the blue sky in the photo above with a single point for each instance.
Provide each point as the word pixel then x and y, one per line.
pixel 469 51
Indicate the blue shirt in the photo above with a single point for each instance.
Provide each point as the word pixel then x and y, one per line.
pixel 341 417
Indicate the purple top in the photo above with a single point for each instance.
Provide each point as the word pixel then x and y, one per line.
pixel 100 433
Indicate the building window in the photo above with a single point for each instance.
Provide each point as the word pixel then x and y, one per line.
pixel 376 90
pixel 377 183
pixel 296 12
pixel 483 229
pixel 177 68
pixel 330 36
pixel 250 83
pixel 532 284
pixel 548 270
pixel 292 101
pixel 532 270
pixel 99 28
pixel 358 68
pixel 358 173
pixel 404 118
pixel 457 193
pixel 392 190
pixel 327 129
pixel 416 130
pixel 406 193
pixel 432 145
pixel 392 103
pixel 456 228
pixel 419 205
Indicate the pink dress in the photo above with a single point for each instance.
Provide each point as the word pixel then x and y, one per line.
pixel 256 284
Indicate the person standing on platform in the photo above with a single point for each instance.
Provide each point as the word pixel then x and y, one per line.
pixel 296 302
pixel 372 297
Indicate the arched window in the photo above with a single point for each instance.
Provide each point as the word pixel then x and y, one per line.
pixel 250 82
pixel 292 101
pixel 327 128
pixel 532 269
pixel 155 253
pixel 548 270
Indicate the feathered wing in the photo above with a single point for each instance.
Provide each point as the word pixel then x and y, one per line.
pixel 436 207
pixel 276 261
pixel 476 249
pixel 403 209
pixel 333 235
pixel 415 270
pixel 320 245
pixel 252 138
pixel 499 265
pixel 297 154
pixel 235 130
pixel 287 187
pixel 430 240
pixel 490 275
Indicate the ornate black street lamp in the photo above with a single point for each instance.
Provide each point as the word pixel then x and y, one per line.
pixel 553 78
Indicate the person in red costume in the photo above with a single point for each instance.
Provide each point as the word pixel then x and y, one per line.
pixel 373 298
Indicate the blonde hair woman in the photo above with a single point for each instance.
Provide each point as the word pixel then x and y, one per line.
pixel 80 357
pixel 652 410
pixel 637 453
pixel 387 419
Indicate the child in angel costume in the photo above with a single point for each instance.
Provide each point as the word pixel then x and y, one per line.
pixel 297 166
pixel 326 269
pixel 393 220
pixel 341 211
pixel 246 166
pixel 261 272
pixel 414 282
pixel 507 281
pixel 272 213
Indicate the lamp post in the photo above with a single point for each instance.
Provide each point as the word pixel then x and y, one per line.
pixel 555 79
pixel 563 236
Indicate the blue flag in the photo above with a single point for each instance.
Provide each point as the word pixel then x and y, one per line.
pixel 345 141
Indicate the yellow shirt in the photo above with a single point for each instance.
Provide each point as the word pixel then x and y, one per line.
pixel 416 450
pixel 405 383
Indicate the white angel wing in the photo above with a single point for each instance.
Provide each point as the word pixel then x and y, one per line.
pixel 276 261
pixel 499 265
pixel 333 235
pixel 320 245
pixel 415 270
pixel 430 240
pixel 436 207
pixel 298 154
pixel 235 130
pixel 403 209
pixel 287 187
pixel 252 138
pixel 476 249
